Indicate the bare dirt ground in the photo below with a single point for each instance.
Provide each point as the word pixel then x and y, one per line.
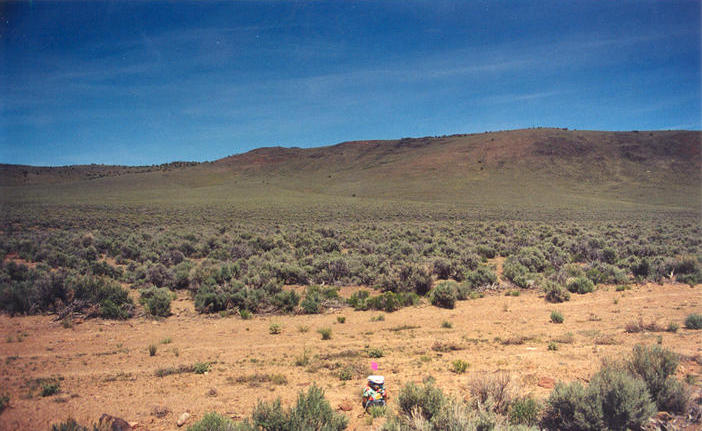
pixel 105 366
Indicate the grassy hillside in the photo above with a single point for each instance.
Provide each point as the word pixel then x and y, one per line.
pixel 532 168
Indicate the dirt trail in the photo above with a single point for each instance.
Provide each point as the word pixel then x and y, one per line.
pixel 105 366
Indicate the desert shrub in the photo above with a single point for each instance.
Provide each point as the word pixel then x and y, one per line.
pixel 213 422
pixel 387 301
pixel 326 333
pixel 427 399
pixel 609 255
pixel 4 402
pixel 446 324
pixel 687 270
pixel 556 293
pixel 377 411
pixel 694 321
pixel 160 276
pixel 524 411
pixel 568 408
pixel 69 425
pixel 486 251
pixel 580 285
pixel 50 387
pixel 375 352
pixel 156 301
pixel 641 268
pixel 275 329
pixel 568 271
pixel 269 416
pixel 481 277
pixel 459 366
pixel 312 302
pixel 358 300
pixel 444 295
pixel 674 396
pixel 114 300
pixel 443 268
pixel 532 258
pixel 613 400
pixel 313 412
pixel 201 367
pixel 623 399
pixel 513 270
pixel 152 350
pixel 210 298
pixel 656 366
pixel 286 300
pixel 413 278
pixel 605 273
pixel 492 391
pixel 557 316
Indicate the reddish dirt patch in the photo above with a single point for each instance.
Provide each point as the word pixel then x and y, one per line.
pixel 106 367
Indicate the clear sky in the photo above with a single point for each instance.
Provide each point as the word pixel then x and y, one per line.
pixel 139 82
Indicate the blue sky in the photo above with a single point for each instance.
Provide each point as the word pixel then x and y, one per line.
pixel 150 82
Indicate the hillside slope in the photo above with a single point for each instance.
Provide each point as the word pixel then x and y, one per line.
pixel 524 168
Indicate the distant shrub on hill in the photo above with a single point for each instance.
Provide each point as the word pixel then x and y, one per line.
pixel 444 295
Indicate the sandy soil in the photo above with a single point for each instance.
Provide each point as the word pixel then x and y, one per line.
pixel 105 366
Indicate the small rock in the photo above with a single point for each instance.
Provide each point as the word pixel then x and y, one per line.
pixel 111 423
pixel 345 406
pixel 183 419
pixel 160 411
pixel 547 382
pixel 133 424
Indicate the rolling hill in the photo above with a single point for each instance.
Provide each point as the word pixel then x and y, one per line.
pixel 528 168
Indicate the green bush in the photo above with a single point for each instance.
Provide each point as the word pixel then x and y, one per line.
pixel 201 367
pixel 69 425
pixel 313 412
pixel 693 321
pixel 326 333
pixel 556 293
pixel 580 285
pixel 674 397
pixel 444 295
pixel 156 301
pixel 623 398
pixel 427 398
pixel 4 402
pixel 312 302
pixel 50 387
pixel 358 300
pixel 481 277
pixel 286 301
pixel 375 352
pixel 213 422
pixel 275 329
pixel 459 366
pixel 641 268
pixel 152 350
pixel 556 316
pixel 387 301
pixel 614 400
pixel 524 411
pixel 656 366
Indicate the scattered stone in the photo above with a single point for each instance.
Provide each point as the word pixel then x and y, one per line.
pixel 160 411
pixel 212 392
pixel 111 423
pixel 183 419
pixel 547 382
pixel 345 406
